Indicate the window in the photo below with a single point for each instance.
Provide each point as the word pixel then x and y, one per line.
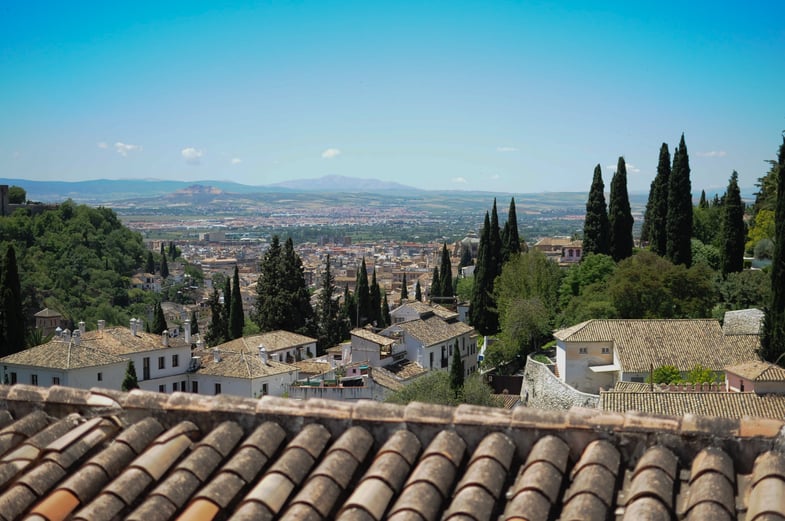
pixel 161 362
pixel 34 379
pixel 183 388
pixel 582 350
pixel 217 388
pixel 606 350
pixel 146 368
pixel 100 377
pixel 13 378
pixel 162 388
pixel 264 389
pixel 175 387
pixel 195 387
pixel 175 360
pixel 55 380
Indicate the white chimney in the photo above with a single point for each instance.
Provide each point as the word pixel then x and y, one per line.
pixel 165 338
pixel 82 327
pixel 77 338
pixel 67 336
pixel 216 354
pixel 187 326
pixel 263 354
pixel 199 344
pixel 59 333
pixel 132 326
pixel 101 325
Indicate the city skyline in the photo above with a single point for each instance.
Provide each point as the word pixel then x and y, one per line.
pixel 507 97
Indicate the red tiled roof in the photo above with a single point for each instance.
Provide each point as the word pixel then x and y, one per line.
pixel 100 455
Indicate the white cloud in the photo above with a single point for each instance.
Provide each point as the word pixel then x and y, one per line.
pixel 631 169
pixel 103 145
pixel 459 180
pixel 713 153
pixel 331 153
pixel 236 161
pixel 124 148
pixel 495 177
pixel 192 156
pixel 506 149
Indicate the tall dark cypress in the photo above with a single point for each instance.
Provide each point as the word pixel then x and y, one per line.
pixel 363 296
pixel 495 244
pixel 511 240
pixel 773 334
pixel 436 284
pixel 12 316
pixel 236 315
pixel 404 289
pixel 375 301
pixel 418 291
pixel 679 221
pixel 620 215
pixel 596 228
pixel 445 273
pixel 482 313
pixel 159 320
pixel 657 206
pixel 733 233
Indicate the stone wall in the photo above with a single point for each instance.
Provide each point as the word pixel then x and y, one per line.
pixel 542 389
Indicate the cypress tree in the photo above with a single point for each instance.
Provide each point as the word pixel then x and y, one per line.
pixel 620 215
pixel 194 323
pixel 436 281
pixel 226 310
pixel 159 321
pixel 703 203
pixel 773 334
pixel 482 313
pixel 386 319
pixel 466 257
pixel 404 289
pixel 349 307
pixel 596 228
pixel 150 264
pixel 363 295
pixel 375 301
pixel 417 291
pixel 130 380
pixel 445 273
pixel 733 233
pixel 216 328
pixel 511 240
pixel 495 244
pixel 456 372
pixel 329 318
pixel 12 316
pixel 164 267
pixel 657 206
pixel 236 315
pixel 300 315
pixel 679 221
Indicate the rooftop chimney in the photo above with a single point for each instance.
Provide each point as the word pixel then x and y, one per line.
pixel 187 327
pixel 82 327
pixel 67 336
pixel 263 354
pixel 132 327
pixel 77 337
pixel 101 325
pixel 216 354
pixel 165 338
pixel 59 333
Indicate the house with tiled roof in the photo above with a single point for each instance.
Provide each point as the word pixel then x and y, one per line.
pixel 99 357
pixel 755 376
pixel 432 342
pixel 102 455
pixel 281 346
pixel 239 368
pixel 48 320
pixel 414 310
pixel 598 353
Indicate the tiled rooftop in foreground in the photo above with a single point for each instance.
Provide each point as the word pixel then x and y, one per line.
pixel 100 455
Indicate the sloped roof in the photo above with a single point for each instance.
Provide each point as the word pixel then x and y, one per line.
pixel 724 405
pixel 244 363
pixel 366 334
pixel 48 313
pixel 421 308
pixel 758 371
pixel 684 343
pixel 273 341
pixel 742 322
pixel 63 355
pixel 95 455
pixel 434 330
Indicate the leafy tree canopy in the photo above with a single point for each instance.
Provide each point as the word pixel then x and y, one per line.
pixel 435 388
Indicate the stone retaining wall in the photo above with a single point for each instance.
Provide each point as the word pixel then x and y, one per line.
pixel 542 389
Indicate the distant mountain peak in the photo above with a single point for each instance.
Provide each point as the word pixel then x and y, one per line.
pixel 340 183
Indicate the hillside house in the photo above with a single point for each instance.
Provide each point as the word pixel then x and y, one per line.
pixel 755 376
pixel 48 320
pixel 281 346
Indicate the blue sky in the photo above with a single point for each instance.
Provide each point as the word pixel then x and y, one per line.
pixel 497 96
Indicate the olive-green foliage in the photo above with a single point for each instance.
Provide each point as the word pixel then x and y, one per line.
pixel 130 380
pixel 17 195
pixel 773 334
pixel 706 254
pixel 78 260
pixel 702 375
pixel 667 374
pixel 435 388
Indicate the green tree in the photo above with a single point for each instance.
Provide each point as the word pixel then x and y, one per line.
pixel 773 334
pixel 466 257
pixel 434 387
pixel 130 380
pixel 150 265
pixel 482 313
pixel 761 229
pixel 226 309
pixel 436 290
pixel 386 319
pixel 12 316
pixel 194 323
pixel 236 315
pixel 732 253
pixel 511 240
pixel 701 375
pixel 217 328
pixel 494 245
pixel 16 195
pixel 667 374
pixel 593 270
pixel 404 289
pixel 363 295
pixel 657 206
pixel 164 267
pixel 418 291
pixel 375 301
pixel 330 321
pixel 445 273
pixel 159 320
pixel 300 315
pixel 596 227
pixel 456 372
pixel 679 221
pixel 620 215
pixel 349 306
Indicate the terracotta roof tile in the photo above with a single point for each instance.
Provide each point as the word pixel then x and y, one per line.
pixel 194 459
